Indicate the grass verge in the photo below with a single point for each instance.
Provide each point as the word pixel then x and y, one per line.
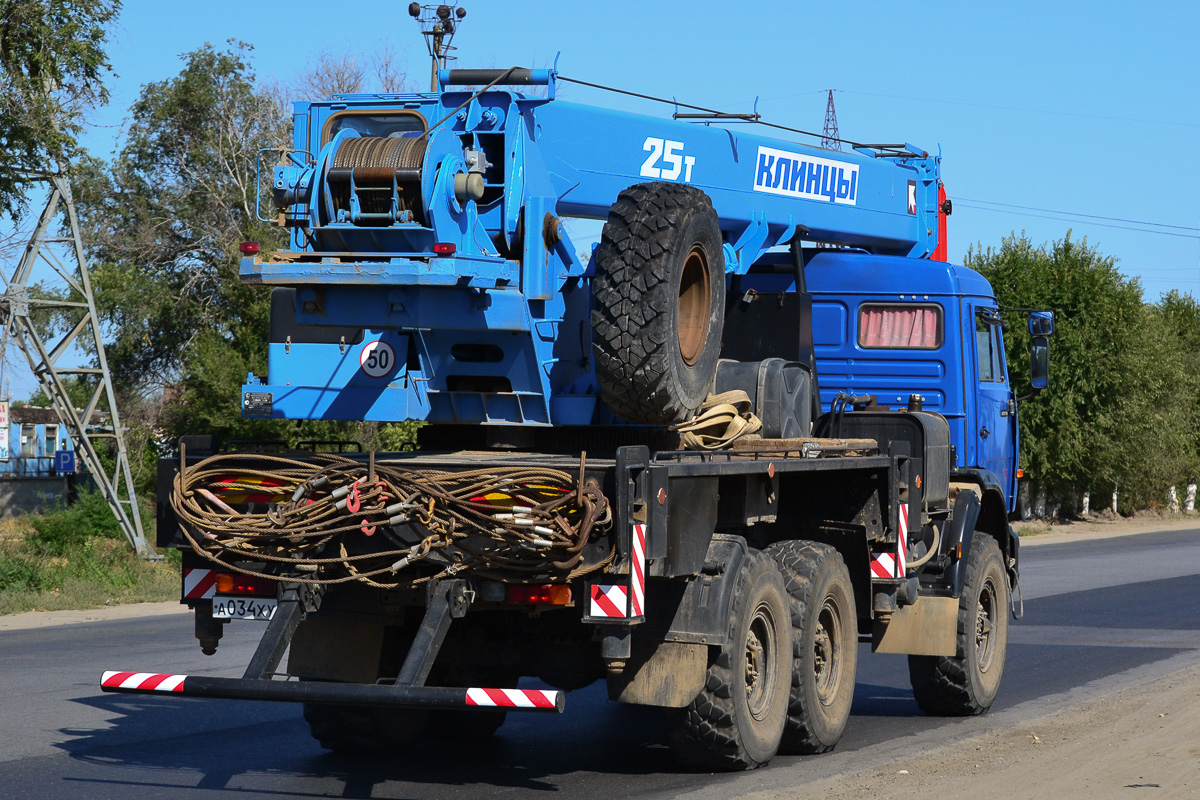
pixel 75 557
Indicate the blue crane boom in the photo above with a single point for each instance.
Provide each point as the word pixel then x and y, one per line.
pixel 430 276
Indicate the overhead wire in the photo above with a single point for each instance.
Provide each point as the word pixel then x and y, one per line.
pixel 739 118
pixel 1080 214
pixel 966 204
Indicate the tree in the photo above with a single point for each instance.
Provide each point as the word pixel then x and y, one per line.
pixel 1109 417
pixel 346 74
pixel 79 390
pixel 1180 314
pixel 52 64
pixel 163 223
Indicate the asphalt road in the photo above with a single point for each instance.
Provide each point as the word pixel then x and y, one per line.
pixel 1099 615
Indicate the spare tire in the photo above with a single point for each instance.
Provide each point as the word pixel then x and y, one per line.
pixel 658 303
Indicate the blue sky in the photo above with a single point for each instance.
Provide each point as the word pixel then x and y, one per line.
pixel 1086 107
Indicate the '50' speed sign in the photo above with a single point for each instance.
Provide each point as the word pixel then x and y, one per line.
pixel 377 359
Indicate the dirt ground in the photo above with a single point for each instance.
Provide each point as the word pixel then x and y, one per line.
pixel 1142 742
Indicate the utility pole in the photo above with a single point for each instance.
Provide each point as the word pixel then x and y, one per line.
pixel 830 139
pixel 438 24
pixel 64 254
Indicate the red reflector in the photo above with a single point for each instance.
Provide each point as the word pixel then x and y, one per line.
pixel 444 248
pixel 249 248
pixel 544 595
pixel 244 584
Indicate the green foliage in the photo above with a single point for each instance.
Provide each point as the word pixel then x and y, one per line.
pixel 19 573
pixel 1111 415
pixel 79 390
pixel 165 218
pixel 68 526
pixel 75 557
pixel 52 63
pixel 163 223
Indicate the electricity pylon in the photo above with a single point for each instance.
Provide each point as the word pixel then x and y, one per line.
pixel 829 139
pixel 64 254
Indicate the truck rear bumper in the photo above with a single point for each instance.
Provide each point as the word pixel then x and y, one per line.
pixel 339 693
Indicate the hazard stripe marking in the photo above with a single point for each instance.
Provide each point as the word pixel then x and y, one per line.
pixel 883 565
pixel 609 601
pixel 639 571
pixel 512 698
pixel 143 681
pixel 902 543
pixel 199 584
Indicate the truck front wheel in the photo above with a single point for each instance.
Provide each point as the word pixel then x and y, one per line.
pixel 824 645
pixel 968 682
pixel 736 722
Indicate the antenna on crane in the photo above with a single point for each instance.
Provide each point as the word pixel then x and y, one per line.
pixel 438 24
pixel 23 310
pixel 830 139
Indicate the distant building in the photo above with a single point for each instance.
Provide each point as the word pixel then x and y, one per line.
pixel 29 438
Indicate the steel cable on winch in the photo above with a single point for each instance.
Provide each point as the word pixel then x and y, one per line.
pixel 508 523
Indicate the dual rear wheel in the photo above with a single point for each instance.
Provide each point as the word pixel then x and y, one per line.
pixel 784 680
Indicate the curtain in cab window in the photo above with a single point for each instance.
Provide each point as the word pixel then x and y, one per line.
pixel 911 327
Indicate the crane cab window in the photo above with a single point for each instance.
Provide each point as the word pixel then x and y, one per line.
pixel 375 123
pixel 988 348
pixel 900 326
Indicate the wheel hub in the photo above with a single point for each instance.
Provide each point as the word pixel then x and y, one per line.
pixel 984 624
pixel 761 650
pixel 827 652
pixel 692 308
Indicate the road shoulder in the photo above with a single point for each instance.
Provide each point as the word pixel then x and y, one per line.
pixel 1143 737
pixel 1034 534
pixel 48 619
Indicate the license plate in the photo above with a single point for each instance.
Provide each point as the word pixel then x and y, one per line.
pixel 244 608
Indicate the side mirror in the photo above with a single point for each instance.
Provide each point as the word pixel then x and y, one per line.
pixel 1039 362
pixel 1041 323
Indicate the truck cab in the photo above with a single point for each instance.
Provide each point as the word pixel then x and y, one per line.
pixel 894 327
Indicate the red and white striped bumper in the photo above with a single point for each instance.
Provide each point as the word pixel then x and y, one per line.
pixel 340 693
pixel 141 682
pixel 512 698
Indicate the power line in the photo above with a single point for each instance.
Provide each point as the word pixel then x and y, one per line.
pixel 1026 110
pixel 1079 214
pixel 1077 221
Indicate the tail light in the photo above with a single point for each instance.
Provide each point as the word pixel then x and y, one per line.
pixel 250 248
pixel 245 584
pixel 444 248
pixel 551 594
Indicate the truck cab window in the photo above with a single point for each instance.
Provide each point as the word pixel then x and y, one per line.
pixel 988 349
pixel 901 326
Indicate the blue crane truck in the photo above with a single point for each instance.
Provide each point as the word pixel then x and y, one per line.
pixel 556 521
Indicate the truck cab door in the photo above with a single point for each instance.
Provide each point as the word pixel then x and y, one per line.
pixel 995 405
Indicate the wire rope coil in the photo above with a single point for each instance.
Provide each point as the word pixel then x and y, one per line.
pixel 326 519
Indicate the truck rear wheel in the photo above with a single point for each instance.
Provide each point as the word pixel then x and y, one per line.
pixel 658 303
pixel 967 684
pixel 737 721
pixel 824 645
